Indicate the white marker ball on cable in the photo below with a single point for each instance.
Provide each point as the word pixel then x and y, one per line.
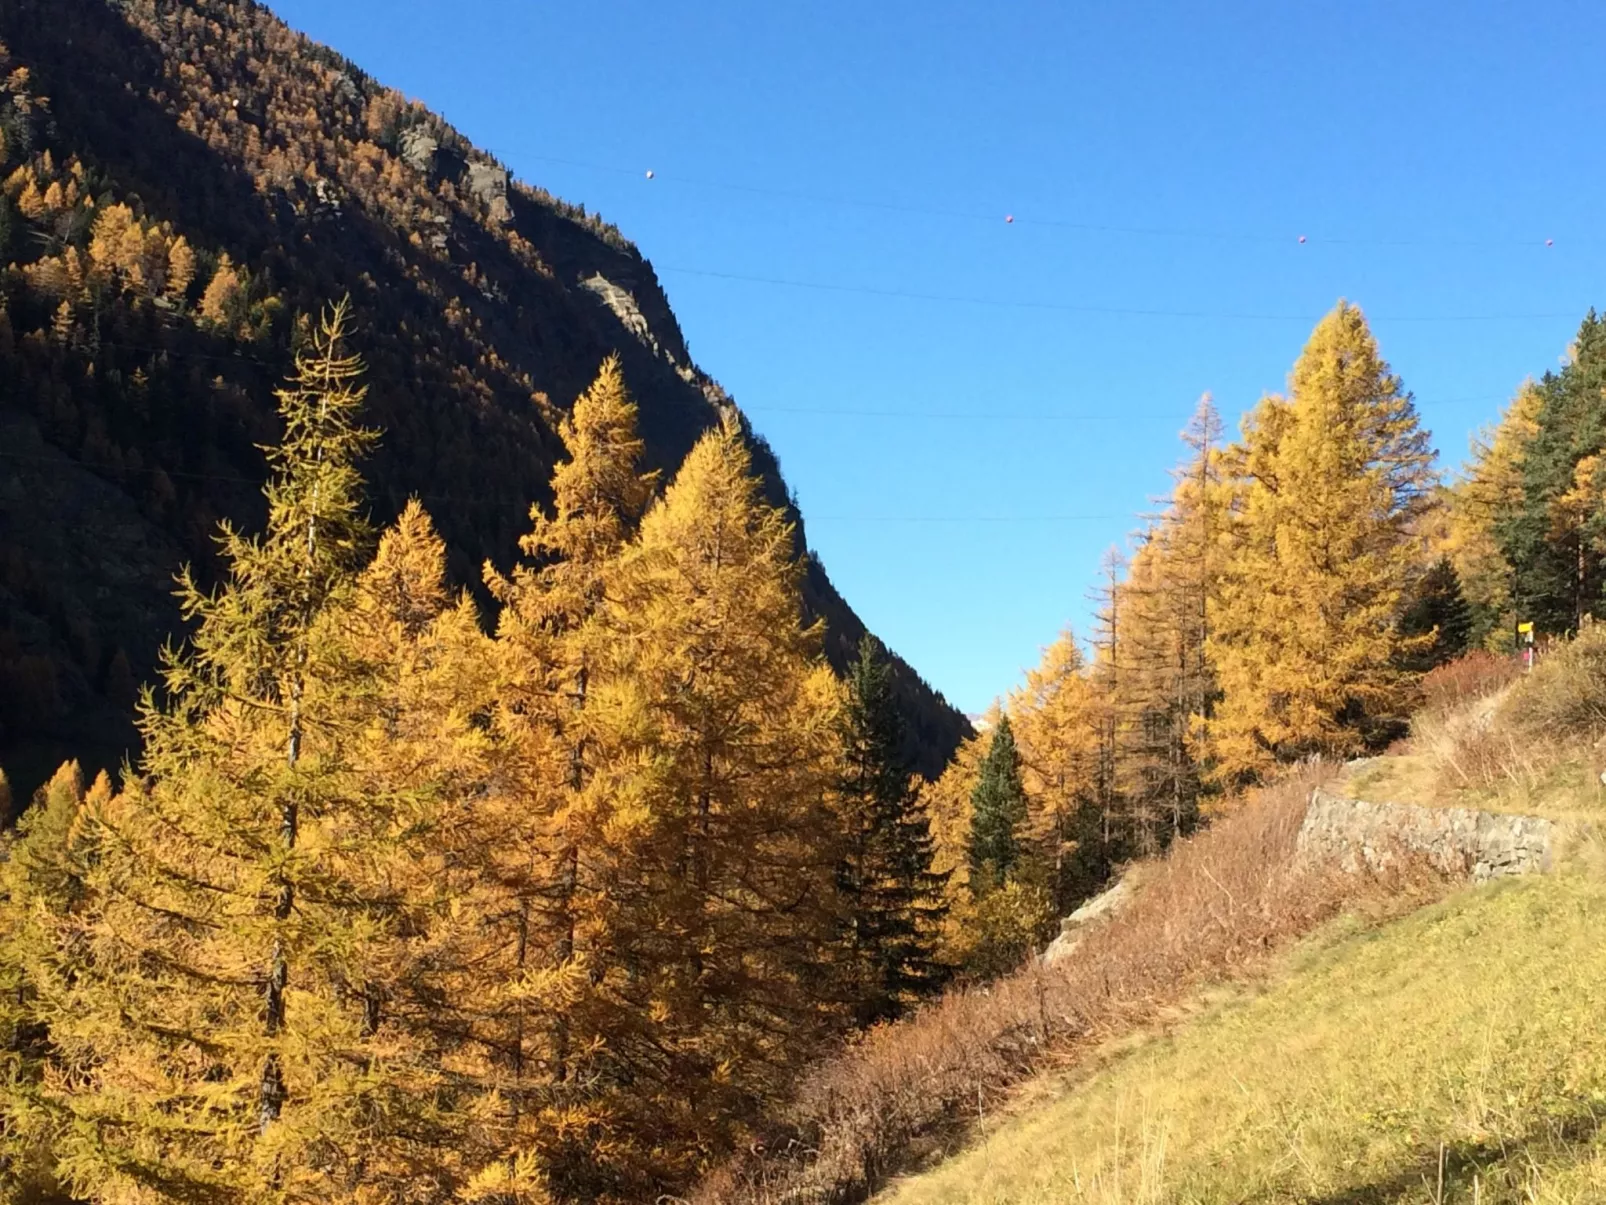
pixel 649 173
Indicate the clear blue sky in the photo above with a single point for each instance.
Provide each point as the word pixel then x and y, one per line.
pixel 1158 157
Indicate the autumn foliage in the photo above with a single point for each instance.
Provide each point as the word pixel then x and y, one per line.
pixel 612 883
pixel 1216 907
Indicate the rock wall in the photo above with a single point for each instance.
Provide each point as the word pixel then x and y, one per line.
pixel 1353 833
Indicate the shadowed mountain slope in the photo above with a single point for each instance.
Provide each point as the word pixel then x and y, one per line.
pixel 182 182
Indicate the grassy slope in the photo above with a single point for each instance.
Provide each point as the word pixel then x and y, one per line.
pixel 1478 1023
pixel 1560 788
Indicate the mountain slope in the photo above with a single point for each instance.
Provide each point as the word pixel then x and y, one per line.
pixel 181 180
pixel 1455 1055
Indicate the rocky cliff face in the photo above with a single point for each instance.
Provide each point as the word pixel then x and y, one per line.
pixel 133 401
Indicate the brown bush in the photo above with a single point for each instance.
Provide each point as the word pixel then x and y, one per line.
pixel 1475 676
pixel 1215 907
pixel 1564 698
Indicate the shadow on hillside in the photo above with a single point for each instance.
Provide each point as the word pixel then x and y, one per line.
pixel 1499 1166
pixel 455 396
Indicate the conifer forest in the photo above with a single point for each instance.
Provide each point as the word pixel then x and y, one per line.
pixel 503 806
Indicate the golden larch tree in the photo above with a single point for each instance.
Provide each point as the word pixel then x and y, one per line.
pixel 249 1004
pixel 548 853
pixel 1056 727
pixel 1488 490
pixel 717 724
pixel 1332 482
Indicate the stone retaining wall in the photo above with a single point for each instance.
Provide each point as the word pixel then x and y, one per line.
pixel 1353 833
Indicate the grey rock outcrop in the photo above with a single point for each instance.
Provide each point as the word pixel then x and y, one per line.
pixel 1358 833
pixel 418 147
pixel 487 183
pixel 1099 910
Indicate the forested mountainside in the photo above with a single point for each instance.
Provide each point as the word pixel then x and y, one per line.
pixel 182 184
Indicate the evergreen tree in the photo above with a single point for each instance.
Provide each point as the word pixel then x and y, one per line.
pixel 893 902
pixel 1555 542
pixel 1304 626
pixel 998 809
pixel 1437 611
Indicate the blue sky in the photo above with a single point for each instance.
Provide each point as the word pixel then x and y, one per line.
pixel 976 410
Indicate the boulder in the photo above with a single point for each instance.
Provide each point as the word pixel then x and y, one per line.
pixel 1101 909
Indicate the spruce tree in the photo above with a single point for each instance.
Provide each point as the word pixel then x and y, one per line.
pixel 998 809
pixel 1438 612
pixel 893 903
pixel 1554 543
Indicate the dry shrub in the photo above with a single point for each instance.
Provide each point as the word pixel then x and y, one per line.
pixel 1564 698
pixel 1475 676
pixel 1215 907
pixel 1478 752
pixel 1517 736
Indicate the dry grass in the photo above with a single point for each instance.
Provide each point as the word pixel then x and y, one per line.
pixel 1564 698
pixel 1214 909
pixel 1475 676
pixel 1454 1057
pixel 1531 744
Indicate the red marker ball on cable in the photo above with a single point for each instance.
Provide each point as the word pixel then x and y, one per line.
pixel 1009 218
pixel 1550 242
pixel 1302 238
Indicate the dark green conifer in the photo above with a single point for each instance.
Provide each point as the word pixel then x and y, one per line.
pixel 893 902
pixel 1438 606
pixel 998 808
pixel 1554 542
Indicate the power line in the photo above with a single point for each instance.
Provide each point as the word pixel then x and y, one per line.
pixel 1045 417
pixel 1073 308
pixel 811 519
pixel 1294 238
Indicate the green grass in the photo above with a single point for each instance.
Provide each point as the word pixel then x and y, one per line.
pixel 1473 1031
